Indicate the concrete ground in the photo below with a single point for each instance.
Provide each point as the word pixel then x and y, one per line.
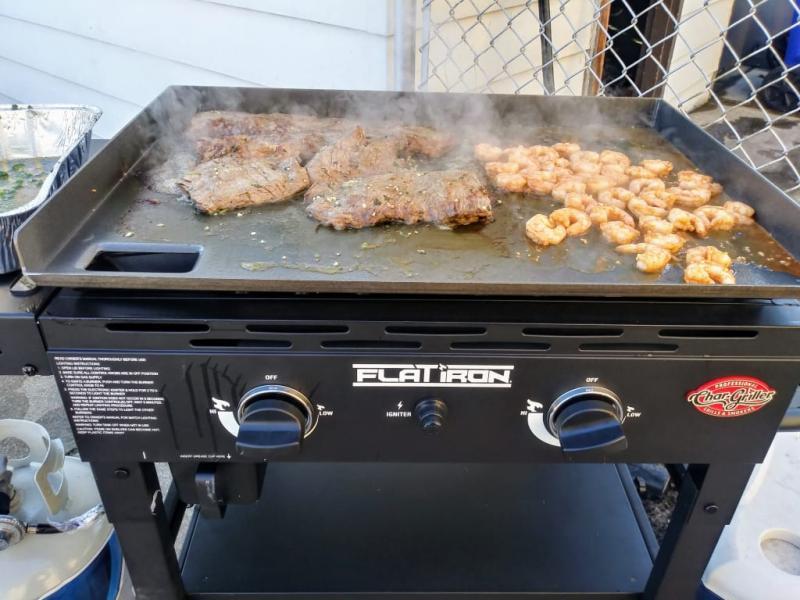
pixel 36 399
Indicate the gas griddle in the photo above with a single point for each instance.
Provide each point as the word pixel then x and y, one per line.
pixel 405 443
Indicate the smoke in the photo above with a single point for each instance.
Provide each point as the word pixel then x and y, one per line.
pixel 504 120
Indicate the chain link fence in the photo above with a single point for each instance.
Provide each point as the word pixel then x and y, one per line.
pixel 732 65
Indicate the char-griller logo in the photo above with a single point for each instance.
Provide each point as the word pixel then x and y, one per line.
pixel 731 396
pixel 438 375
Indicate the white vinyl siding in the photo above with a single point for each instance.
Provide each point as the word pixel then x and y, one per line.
pixel 120 55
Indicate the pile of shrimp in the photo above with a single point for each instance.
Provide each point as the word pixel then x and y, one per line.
pixel 644 210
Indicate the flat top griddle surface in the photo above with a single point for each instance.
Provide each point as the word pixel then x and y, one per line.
pixel 279 248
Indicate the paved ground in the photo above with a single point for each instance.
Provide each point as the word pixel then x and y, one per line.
pixel 35 398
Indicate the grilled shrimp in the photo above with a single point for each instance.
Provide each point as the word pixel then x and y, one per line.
pixel 488 153
pixel 654 198
pixel 659 168
pixel 692 180
pixel 568 186
pixel 708 254
pixel 612 157
pixel 688 198
pixel 562 162
pixel 582 202
pixel 543 153
pixel 540 182
pixel 552 165
pixel 575 221
pixel 669 241
pixel 649 258
pixel 511 182
pixel 520 155
pixel 564 173
pixel 637 186
pixel 566 149
pixel 541 230
pixel 584 156
pixel 598 183
pixel 585 162
pixel 641 208
pixel 689 179
pixel 708 273
pixel 495 168
pixel 654 226
pixel 586 168
pixel 603 213
pixel 743 213
pixel 617 196
pixel 718 218
pixel 615 173
pixel 686 221
pixel 618 232
pixel 639 172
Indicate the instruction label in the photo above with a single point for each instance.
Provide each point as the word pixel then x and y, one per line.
pixel 111 395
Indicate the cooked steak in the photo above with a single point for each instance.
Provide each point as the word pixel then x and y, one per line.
pixel 247 159
pixel 280 128
pixel 423 141
pixel 304 146
pixel 448 198
pixel 219 123
pixel 231 182
pixel 352 156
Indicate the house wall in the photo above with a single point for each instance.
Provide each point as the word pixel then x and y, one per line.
pixel 120 55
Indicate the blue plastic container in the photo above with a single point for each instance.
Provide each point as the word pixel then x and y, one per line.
pixel 792 57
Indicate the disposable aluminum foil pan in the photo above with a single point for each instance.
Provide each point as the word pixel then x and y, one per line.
pixel 38 131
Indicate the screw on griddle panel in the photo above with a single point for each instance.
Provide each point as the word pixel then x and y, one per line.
pixel 711 509
pixel 121 473
pixel 29 370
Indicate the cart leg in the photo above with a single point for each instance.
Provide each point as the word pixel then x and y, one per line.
pixel 132 499
pixel 707 500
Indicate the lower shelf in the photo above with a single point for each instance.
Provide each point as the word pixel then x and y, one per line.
pixel 426 530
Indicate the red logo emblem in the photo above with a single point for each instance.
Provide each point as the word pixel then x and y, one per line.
pixel 731 396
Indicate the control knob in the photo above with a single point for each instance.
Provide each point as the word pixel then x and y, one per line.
pixel 273 421
pixel 586 420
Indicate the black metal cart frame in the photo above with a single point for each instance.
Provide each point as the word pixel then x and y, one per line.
pixel 146 524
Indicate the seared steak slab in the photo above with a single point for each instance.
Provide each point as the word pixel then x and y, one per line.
pixel 447 198
pixel 231 182
pixel 352 156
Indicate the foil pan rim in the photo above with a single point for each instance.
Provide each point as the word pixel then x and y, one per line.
pixel 94 113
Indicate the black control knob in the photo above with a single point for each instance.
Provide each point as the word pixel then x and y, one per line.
pixel 430 414
pixel 588 420
pixel 273 421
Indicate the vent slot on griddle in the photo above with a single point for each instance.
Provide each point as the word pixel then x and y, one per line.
pixel 501 346
pixel 152 327
pixel 300 329
pixel 709 333
pixel 627 347
pixel 369 345
pixel 435 330
pixel 573 331
pixel 228 343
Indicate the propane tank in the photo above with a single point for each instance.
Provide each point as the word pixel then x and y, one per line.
pixel 55 540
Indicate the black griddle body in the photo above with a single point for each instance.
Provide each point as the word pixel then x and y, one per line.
pixel 460 513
